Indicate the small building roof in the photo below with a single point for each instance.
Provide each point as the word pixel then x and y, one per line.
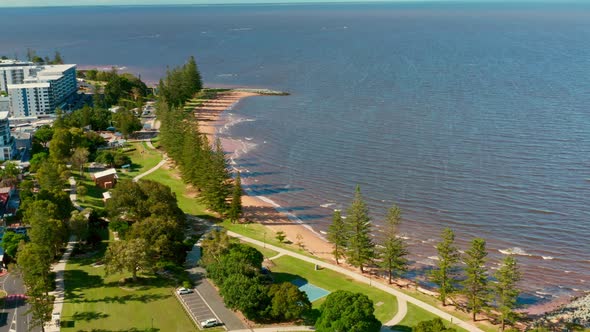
pixel 104 173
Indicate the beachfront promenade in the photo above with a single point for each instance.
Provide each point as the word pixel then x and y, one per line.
pixel 401 297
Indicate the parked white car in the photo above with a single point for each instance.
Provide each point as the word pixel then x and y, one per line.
pixel 210 323
pixel 182 291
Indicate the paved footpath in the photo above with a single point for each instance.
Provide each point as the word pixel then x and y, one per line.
pixel 59 292
pixel 362 278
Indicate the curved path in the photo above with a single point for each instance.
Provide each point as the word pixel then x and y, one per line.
pixel 362 278
pixel 153 169
pixel 402 310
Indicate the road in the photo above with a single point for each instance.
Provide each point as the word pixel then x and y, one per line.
pixel 359 277
pixel 13 316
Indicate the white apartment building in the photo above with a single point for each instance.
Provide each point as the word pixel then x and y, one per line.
pixel 14 72
pixel 36 90
pixel 4 104
pixel 7 144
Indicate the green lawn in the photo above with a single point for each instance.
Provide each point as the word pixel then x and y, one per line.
pixel 267 253
pixel 263 234
pixel 186 203
pixel 486 326
pixel 93 300
pixel 416 315
pixel 93 199
pixel 142 159
pixel 288 268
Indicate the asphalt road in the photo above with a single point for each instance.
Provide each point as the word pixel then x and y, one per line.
pixel 214 301
pixel 13 316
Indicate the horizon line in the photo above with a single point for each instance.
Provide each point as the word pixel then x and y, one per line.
pixel 274 2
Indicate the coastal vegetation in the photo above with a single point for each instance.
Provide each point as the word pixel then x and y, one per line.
pixel 202 165
pixel 475 292
pixel 346 311
pixel 237 270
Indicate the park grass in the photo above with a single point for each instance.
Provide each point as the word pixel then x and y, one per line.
pixel 416 315
pixel 267 253
pixel 142 159
pixel 264 234
pixel 93 300
pixel 484 325
pixel 93 199
pixel 287 268
pixel 186 203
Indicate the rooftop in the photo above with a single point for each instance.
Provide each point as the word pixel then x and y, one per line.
pixel 104 173
pixel 28 85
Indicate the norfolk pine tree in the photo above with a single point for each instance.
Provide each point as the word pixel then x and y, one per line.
pixel 475 285
pixel 360 249
pixel 235 208
pixel 337 235
pixel 506 290
pixel 448 257
pixel 393 250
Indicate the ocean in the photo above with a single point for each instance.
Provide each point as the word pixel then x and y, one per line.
pixel 469 116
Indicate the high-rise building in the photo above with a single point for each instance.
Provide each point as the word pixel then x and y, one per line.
pixel 7 144
pixel 36 89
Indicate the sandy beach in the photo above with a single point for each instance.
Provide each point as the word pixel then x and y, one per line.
pixel 255 209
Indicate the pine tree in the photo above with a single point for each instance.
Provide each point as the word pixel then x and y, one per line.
pixel 506 289
pixel 448 257
pixel 475 285
pixel 393 250
pixel 337 235
pixel 216 190
pixel 235 209
pixel 360 249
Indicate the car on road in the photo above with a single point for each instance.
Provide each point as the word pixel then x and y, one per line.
pixel 182 291
pixel 212 322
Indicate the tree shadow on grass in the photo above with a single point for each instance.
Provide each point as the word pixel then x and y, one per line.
pixel 287 277
pixel 401 328
pixel 88 315
pixel 144 298
pixel 153 329
pixel 79 280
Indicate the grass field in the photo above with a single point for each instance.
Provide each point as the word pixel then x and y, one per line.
pixel 267 253
pixel 93 199
pixel 416 315
pixel 93 300
pixel 288 268
pixel 450 309
pixel 142 159
pixel 187 203
pixel 264 234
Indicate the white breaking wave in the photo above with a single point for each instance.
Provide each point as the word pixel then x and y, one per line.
pixel 327 205
pixel 514 251
pixel 548 257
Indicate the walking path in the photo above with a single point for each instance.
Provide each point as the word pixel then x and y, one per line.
pixel 58 303
pixel 73 196
pixel 153 169
pixel 148 142
pixel 404 297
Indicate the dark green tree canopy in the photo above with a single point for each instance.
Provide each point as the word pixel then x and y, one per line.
pixel 433 325
pixel 346 311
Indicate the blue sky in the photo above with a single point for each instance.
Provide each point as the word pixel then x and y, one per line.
pixel 29 3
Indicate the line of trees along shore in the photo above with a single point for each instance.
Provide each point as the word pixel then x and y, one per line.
pixel 468 285
pixel 202 164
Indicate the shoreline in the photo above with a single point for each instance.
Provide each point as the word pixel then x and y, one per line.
pixel 263 210
pixel 259 209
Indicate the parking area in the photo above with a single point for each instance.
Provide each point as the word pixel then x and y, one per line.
pixel 197 307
